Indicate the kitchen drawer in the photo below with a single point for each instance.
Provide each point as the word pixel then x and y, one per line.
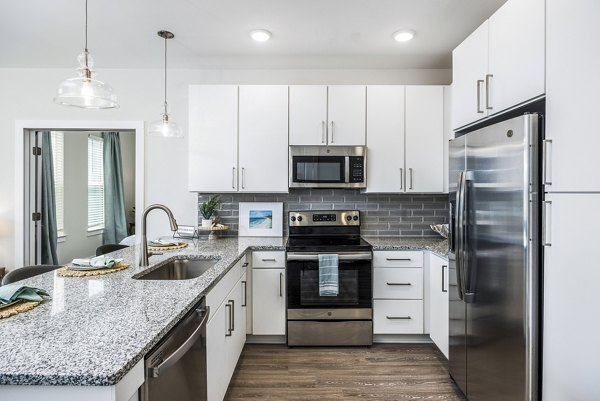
pixel 391 283
pixel 217 294
pixel 268 259
pixel 397 317
pixel 398 259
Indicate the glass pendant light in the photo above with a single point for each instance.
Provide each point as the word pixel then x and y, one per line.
pixel 164 127
pixel 84 90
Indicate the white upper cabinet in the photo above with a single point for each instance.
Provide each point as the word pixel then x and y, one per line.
pixel 516 54
pixel 212 159
pixel 327 115
pixel 347 115
pixel 385 138
pixel 469 68
pixel 263 138
pixel 308 115
pixel 424 139
pixel 501 64
pixel 573 85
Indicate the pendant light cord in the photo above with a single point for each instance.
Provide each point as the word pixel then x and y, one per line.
pixel 86 25
pixel 165 75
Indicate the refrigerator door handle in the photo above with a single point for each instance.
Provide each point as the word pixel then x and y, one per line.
pixel 467 293
pixel 546 162
pixel 459 232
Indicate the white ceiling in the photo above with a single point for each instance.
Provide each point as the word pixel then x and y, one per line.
pixel 214 33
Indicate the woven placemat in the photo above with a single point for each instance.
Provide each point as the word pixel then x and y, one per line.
pixel 65 272
pixel 167 248
pixel 18 308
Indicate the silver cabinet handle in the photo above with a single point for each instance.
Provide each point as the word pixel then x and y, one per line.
pixel 398 259
pixel 401 178
pixel 245 264
pixel 245 303
pixel 232 314
pixel 403 284
pixel 410 173
pixel 229 330
pixel 546 156
pixel 547 211
pixel 398 317
pixel 488 87
pixel 269 260
pixel 280 284
pixel 479 82
pixel 331 131
pixel 183 349
pixel 323 129
pixel 444 289
pixel 243 178
pixel 233 178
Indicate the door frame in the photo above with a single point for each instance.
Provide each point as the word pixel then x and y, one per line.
pixel 22 129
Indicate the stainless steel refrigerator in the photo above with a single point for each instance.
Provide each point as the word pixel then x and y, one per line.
pixel 495 260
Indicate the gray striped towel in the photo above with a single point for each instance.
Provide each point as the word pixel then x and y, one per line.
pixel 328 275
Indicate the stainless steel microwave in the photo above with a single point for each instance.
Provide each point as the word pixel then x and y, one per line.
pixel 328 167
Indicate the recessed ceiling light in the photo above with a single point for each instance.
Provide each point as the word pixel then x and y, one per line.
pixel 404 35
pixel 260 35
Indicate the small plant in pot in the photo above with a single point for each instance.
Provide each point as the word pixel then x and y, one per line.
pixel 208 209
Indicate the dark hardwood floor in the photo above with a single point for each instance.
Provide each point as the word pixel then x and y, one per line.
pixel 382 372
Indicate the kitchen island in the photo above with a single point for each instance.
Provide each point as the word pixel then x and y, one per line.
pixel 88 341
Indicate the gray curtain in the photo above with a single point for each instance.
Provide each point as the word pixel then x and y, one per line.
pixel 49 230
pixel 115 223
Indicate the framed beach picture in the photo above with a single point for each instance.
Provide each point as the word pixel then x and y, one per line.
pixel 261 219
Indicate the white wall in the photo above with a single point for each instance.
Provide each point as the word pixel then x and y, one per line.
pixel 26 94
pixel 128 160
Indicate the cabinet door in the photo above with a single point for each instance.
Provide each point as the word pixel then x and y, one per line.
pixel 268 303
pixel 308 115
pixel 263 139
pixel 347 115
pixel 247 303
pixel 516 65
pixel 439 303
pixel 573 85
pixel 470 65
pixel 234 342
pixel 571 354
pixel 385 139
pixel 212 150
pixel 424 139
pixel 216 366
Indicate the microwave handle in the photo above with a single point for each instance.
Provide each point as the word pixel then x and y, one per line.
pixel 347 169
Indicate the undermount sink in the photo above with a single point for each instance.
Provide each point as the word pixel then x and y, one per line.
pixel 179 269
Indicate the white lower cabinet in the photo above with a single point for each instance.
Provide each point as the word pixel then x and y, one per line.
pixel 268 303
pixel 398 292
pixel 439 302
pixel 225 333
pixel 397 316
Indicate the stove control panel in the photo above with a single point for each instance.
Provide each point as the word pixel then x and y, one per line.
pixel 324 218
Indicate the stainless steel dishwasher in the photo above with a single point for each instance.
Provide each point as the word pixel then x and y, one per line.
pixel 176 366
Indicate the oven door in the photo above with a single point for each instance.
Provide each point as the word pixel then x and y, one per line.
pixel 355 282
pixel 312 171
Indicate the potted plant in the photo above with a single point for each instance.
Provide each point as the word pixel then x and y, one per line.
pixel 208 210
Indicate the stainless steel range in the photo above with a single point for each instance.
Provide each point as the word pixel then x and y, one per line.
pixel 342 319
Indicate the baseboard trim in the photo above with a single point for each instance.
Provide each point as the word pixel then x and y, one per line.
pixel 401 339
pixel 252 339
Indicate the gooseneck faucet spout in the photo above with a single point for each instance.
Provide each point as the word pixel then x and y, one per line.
pixel 144 246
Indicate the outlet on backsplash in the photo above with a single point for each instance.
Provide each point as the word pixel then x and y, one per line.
pixel 382 214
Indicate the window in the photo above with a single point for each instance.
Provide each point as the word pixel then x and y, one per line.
pixel 58 160
pixel 95 183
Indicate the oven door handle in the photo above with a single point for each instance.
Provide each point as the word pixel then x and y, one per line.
pixel 341 256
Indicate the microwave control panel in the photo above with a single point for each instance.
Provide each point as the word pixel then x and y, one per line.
pixel 357 168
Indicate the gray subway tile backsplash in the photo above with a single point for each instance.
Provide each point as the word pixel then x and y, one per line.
pixel 382 214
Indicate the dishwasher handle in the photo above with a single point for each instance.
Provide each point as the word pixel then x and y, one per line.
pixel 183 349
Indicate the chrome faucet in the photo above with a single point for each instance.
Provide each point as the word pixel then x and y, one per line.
pixel 144 246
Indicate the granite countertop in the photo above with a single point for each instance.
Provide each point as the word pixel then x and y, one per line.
pixel 93 330
pixel 437 245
